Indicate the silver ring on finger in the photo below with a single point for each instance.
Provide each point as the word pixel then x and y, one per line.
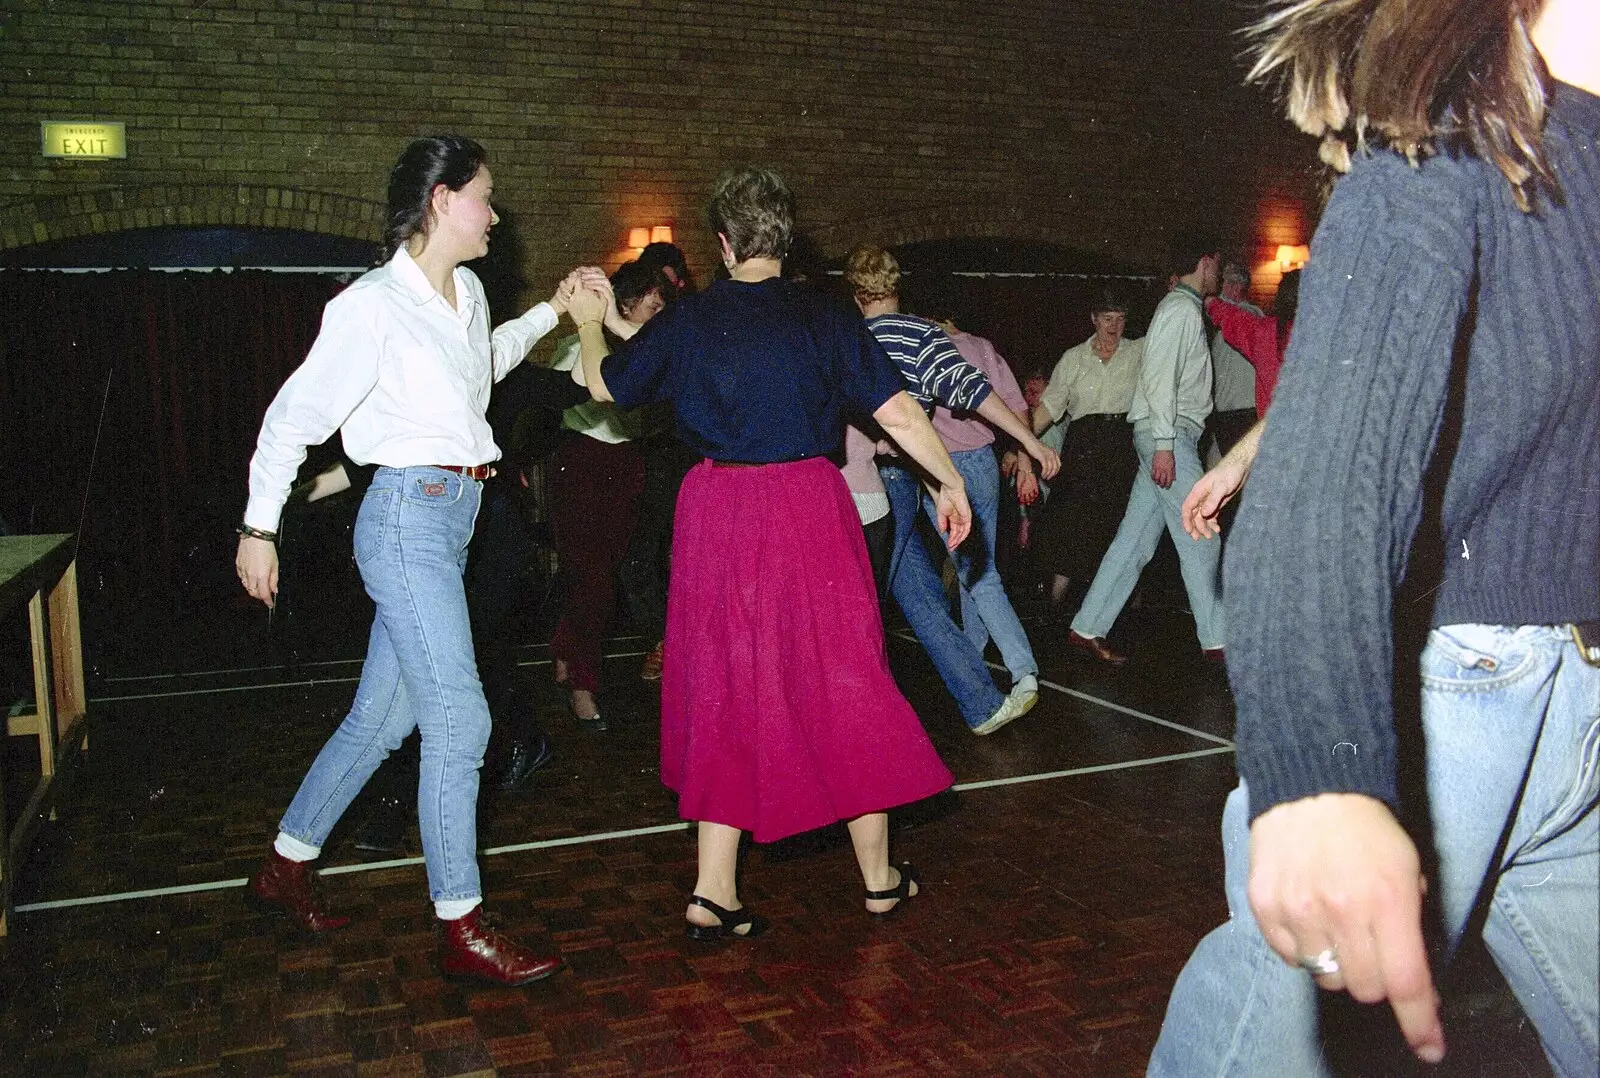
pixel 1323 964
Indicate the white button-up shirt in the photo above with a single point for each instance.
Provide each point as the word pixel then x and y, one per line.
pixel 400 373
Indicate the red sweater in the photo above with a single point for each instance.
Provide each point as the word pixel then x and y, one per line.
pixel 1254 336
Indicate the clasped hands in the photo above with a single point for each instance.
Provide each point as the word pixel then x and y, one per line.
pixel 585 295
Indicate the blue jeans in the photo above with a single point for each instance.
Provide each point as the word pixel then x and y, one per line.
pixel 411 546
pixel 985 609
pixel 1150 508
pixel 1511 718
pixel 916 586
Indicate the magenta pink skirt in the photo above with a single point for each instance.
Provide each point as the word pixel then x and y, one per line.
pixel 778 711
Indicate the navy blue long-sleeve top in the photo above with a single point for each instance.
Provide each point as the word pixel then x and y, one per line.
pixel 758 372
pixel 1414 271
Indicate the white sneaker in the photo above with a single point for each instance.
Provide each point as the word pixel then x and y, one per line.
pixel 1026 687
pixel 1012 707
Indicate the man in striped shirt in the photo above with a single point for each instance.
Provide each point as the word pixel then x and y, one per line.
pixel 934 372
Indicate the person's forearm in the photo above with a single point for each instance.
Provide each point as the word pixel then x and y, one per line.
pixel 592 349
pixel 620 325
pixel 995 411
pixel 511 341
pixel 332 480
pixel 904 421
pixel 1243 454
pixel 1042 419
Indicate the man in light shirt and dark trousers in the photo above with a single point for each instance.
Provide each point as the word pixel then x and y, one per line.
pixel 1168 414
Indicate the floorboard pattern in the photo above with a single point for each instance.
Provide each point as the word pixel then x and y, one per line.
pixel 1054 916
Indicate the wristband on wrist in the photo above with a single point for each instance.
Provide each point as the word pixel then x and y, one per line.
pixel 256 533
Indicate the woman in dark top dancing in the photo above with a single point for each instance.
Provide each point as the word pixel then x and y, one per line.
pixel 778 712
pixel 1457 290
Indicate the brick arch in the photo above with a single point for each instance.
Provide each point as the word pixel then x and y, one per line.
pixel 1034 223
pixel 159 205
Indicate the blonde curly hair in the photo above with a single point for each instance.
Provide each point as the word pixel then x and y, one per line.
pixel 872 272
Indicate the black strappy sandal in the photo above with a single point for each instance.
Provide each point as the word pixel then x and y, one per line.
pixel 900 891
pixel 594 723
pixel 731 922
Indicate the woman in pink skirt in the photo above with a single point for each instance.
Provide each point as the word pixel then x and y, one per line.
pixel 778 711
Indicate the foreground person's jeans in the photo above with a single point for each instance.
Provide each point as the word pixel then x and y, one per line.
pixel 916 585
pixel 411 546
pixel 985 608
pixel 1512 722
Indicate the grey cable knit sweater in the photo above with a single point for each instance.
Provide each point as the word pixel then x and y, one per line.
pixel 1326 527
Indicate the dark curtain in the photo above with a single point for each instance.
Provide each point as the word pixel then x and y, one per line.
pixel 129 405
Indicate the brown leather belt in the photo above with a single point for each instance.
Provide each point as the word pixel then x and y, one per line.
pixel 479 472
pixel 738 464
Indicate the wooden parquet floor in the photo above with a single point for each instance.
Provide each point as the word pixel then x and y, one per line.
pixel 1054 917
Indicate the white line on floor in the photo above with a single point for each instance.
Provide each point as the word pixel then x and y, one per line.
pixel 1201 734
pixel 572 840
pixel 908 635
pixel 296 684
pixel 1095 769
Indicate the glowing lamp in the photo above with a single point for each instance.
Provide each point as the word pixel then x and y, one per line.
pixel 1291 256
pixel 638 237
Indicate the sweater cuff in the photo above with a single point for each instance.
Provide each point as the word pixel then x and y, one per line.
pixel 1164 444
pixel 1283 773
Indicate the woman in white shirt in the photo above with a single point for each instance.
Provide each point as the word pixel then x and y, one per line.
pixel 597 473
pixel 402 368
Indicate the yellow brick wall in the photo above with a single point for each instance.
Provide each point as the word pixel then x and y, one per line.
pixel 1096 124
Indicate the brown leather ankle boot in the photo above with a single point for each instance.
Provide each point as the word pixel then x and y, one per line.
pixel 284 886
pixel 469 948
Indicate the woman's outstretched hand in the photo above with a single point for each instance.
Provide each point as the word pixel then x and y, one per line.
pixel 257 563
pixel 587 305
pixel 954 514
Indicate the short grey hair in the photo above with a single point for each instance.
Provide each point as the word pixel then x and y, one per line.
pixel 754 208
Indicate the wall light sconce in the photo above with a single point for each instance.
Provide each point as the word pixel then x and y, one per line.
pixel 639 238
pixel 1291 256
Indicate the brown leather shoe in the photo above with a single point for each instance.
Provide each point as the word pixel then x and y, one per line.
pixel 469 948
pixel 284 886
pixel 650 669
pixel 1096 647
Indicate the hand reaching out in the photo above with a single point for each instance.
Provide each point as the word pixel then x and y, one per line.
pixel 562 298
pixel 1210 493
pixel 1027 488
pixel 1335 875
pixel 587 304
pixel 1218 486
pixel 954 515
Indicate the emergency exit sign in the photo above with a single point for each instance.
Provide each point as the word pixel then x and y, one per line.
pixel 83 139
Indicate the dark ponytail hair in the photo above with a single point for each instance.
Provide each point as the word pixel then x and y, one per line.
pixel 448 159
